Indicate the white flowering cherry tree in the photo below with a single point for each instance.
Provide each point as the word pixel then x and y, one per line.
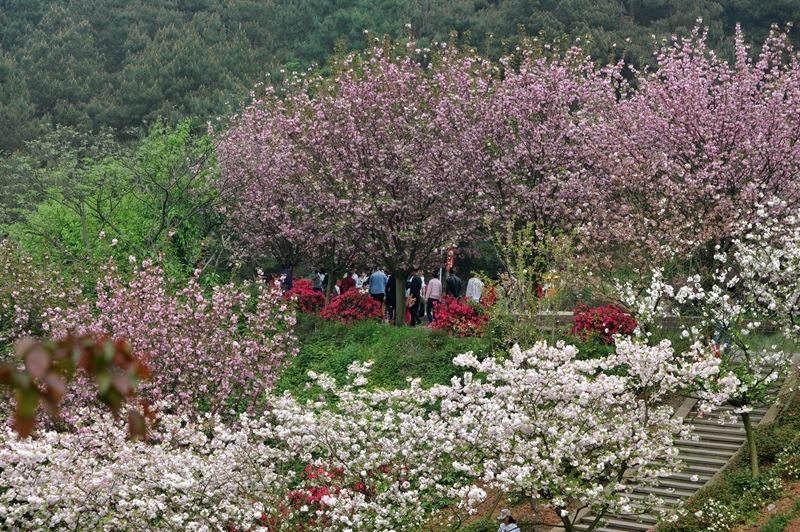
pixel 575 434
pixel 352 460
pixel 757 278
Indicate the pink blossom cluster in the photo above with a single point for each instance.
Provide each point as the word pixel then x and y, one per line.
pixel 215 350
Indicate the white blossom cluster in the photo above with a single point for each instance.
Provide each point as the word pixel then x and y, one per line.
pixel 543 422
pixel 758 278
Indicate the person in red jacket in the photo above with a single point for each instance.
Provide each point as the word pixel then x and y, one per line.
pixel 348 283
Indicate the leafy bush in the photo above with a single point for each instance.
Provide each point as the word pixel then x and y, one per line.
pixel 308 301
pixel 772 440
pixel 462 319
pixel 602 322
pixel 350 307
pixel 483 525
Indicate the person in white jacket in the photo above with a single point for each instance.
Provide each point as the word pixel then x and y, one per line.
pixel 474 288
pixel 508 523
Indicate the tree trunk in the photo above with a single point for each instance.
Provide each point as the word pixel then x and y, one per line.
pixel 751 443
pixel 330 282
pixel 87 244
pixel 400 309
pixel 565 519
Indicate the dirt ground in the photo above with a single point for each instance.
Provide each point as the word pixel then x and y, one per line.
pixel 782 506
pixel 523 513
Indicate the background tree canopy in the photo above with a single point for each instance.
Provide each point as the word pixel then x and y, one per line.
pixel 116 63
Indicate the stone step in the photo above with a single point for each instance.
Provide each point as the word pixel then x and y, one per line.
pixel 620 524
pixel 705 452
pixel 715 445
pixel 704 444
pixel 678 483
pixel 669 492
pixel 734 438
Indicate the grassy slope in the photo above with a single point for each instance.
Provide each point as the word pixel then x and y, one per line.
pixel 399 353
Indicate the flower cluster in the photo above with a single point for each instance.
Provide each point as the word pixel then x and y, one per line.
pixel 602 323
pixel 212 351
pixel 375 459
pixel 350 307
pixel 308 301
pixel 26 292
pixel 460 318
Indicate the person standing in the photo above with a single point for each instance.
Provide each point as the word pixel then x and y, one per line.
pixel 453 284
pixel 433 295
pixel 318 279
pixel 474 288
pixel 361 280
pixel 377 285
pixel 391 298
pixel 347 283
pixel 286 277
pixel 415 292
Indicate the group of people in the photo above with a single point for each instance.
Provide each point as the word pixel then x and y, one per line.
pixel 421 297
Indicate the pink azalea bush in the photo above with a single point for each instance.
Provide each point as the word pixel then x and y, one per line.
pixel 602 323
pixel 212 351
pixel 350 307
pixel 460 318
pixel 308 301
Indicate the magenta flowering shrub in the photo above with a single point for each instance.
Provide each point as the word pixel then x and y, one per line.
pixel 350 307
pixel 308 301
pixel 460 318
pixel 602 322
pixel 210 351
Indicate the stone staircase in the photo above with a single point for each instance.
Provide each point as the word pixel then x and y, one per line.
pixel 705 457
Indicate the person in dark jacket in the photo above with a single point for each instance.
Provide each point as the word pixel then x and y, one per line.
pixel 452 286
pixel 415 291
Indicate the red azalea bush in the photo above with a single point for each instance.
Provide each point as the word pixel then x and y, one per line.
pixel 308 301
pixel 462 318
pixel 602 322
pixel 352 306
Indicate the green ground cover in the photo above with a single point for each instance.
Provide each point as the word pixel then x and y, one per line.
pixel 399 353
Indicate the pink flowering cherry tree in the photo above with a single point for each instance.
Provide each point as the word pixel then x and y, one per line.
pixel 213 351
pixel 384 151
pixel 539 138
pixel 696 144
pixel 279 208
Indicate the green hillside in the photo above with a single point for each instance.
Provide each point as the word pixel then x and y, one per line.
pixel 117 63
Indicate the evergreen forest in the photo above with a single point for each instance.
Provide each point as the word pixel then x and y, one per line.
pixel 121 63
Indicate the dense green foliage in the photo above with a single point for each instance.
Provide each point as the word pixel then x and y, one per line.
pixel 75 196
pixel 114 63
